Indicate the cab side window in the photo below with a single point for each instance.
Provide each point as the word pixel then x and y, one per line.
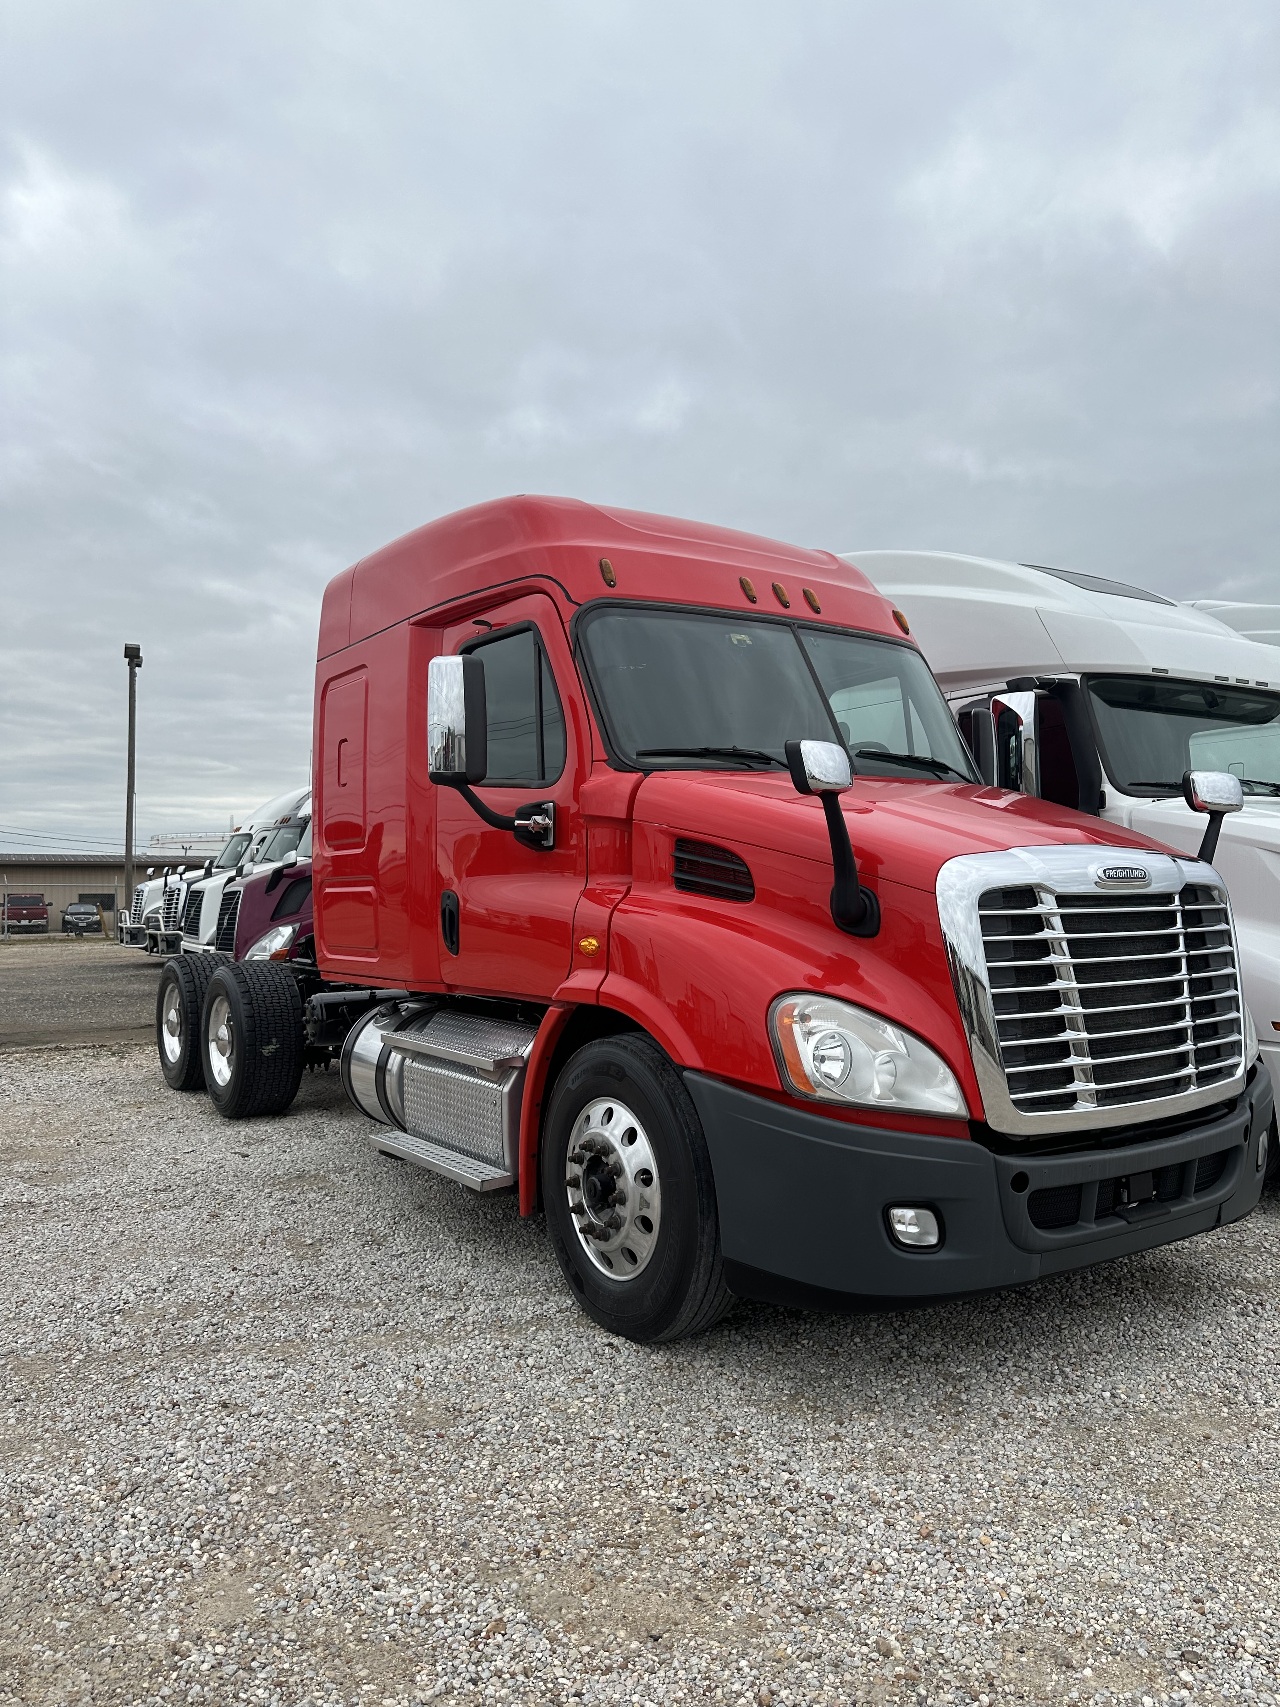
pixel 526 724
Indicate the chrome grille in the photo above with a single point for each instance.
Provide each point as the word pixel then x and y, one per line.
pixel 224 938
pixel 1105 1001
pixel 139 900
pixel 191 913
pixel 1098 986
pixel 171 907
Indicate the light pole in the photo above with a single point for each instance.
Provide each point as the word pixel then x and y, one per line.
pixel 133 657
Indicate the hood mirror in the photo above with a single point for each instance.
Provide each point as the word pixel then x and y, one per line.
pixel 819 767
pixel 286 864
pixel 822 768
pixel 1214 792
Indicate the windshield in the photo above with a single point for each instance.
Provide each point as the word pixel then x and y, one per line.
pixel 232 854
pixel 1151 732
pixel 281 842
pixel 683 689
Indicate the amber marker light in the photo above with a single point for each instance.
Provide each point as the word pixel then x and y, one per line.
pixel 794 1060
pixel 589 944
pixel 780 593
pixel 607 571
pixel 747 588
pixel 902 622
pixel 811 599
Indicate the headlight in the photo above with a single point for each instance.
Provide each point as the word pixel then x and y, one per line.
pixel 1251 1049
pixel 842 1053
pixel 275 945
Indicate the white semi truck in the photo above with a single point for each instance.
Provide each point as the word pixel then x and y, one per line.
pixel 1100 695
pixel 275 832
pixel 157 919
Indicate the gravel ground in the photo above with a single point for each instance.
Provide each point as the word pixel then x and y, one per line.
pixel 286 1422
pixel 71 990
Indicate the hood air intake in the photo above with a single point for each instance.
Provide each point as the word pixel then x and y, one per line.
pixel 701 868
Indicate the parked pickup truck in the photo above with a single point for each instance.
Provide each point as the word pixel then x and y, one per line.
pixel 1097 694
pixel 25 914
pixel 653 881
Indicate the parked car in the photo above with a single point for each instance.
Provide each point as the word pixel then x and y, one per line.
pixel 81 918
pixel 28 914
pixel 600 915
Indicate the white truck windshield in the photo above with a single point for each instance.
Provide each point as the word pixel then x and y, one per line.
pixel 1150 732
pixel 232 854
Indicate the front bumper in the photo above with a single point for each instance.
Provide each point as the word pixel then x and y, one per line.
pixel 803 1198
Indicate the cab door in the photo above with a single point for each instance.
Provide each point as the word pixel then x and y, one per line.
pixel 506 909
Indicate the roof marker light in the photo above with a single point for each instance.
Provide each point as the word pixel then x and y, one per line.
pixel 811 599
pixel 902 622
pixel 747 588
pixel 607 571
pixel 780 593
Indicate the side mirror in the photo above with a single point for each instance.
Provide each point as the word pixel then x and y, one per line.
pixel 1214 792
pixel 822 768
pixel 1016 760
pixel 457 723
pixel 819 767
pixel 151 871
pixel 286 864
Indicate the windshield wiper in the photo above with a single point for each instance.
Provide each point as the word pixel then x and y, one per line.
pixel 1164 787
pixel 747 755
pixel 1259 782
pixel 939 766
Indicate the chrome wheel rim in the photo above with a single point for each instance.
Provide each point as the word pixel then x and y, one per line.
pixel 612 1188
pixel 222 1040
pixel 171 1038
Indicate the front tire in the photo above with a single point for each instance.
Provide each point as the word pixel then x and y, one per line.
pixel 252 1041
pixel 629 1193
pixel 179 1004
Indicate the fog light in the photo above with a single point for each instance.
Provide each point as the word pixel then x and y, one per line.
pixel 1264 1151
pixel 916 1228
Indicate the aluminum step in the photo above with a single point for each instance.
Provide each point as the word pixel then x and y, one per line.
pixel 466 1170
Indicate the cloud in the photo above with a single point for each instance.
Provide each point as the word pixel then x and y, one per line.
pixel 276 289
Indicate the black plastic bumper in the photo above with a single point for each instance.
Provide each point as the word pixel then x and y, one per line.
pixel 803 1200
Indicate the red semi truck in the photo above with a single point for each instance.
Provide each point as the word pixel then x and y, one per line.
pixel 600 914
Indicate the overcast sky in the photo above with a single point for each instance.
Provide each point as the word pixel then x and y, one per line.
pixel 281 282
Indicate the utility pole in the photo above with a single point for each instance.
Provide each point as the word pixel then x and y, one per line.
pixel 133 657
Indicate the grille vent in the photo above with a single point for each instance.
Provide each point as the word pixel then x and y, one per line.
pixel 1102 1001
pixel 224 939
pixel 701 868
pixel 1058 1206
pixel 191 913
pixel 139 901
pixel 171 907
pixel 291 902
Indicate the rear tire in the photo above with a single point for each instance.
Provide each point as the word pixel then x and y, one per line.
pixel 623 1146
pixel 179 1004
pixel 251 1036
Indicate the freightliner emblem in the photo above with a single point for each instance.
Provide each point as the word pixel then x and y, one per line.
pixel 1124 874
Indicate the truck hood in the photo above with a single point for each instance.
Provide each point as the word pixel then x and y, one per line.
pixel 902 832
